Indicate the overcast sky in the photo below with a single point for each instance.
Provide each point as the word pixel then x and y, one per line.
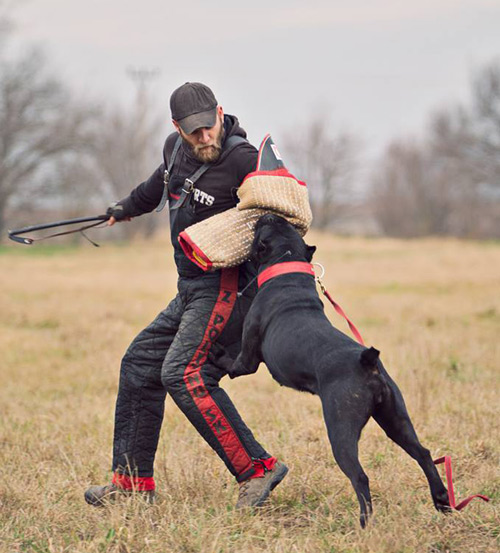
pixel 376 67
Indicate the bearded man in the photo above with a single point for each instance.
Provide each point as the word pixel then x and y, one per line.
pixel 204 163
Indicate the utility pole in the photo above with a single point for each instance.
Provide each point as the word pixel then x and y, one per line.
pixel 141 77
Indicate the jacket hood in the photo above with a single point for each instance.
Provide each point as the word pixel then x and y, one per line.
pixel 232 127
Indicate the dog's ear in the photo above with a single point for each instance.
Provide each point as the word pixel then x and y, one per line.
pixel 310 252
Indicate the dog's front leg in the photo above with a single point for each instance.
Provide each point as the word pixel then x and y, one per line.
pixel 250 356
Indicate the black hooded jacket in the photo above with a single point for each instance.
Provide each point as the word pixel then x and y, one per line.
pixel 216 188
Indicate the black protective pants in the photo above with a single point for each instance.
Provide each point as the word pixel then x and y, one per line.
pixel 170 356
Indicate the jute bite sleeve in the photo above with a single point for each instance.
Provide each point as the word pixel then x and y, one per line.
pixel 224 240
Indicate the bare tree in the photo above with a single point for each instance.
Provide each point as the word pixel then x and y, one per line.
pixel 449 182
pixel 64 156
pixel 410 194
pixel 127 150
pixel 327 162
pixel 486 112
pixel 38 125
pixel 466 140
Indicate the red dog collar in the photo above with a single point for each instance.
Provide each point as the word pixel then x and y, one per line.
pixel 283 269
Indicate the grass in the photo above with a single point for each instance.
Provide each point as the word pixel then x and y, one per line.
pixel 67 315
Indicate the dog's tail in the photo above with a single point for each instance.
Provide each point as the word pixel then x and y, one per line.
pixel 369 360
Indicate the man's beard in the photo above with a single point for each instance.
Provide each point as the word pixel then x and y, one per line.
pixel 209 154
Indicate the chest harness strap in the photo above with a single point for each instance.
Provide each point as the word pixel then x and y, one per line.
pixel 189 182
pixel 167 172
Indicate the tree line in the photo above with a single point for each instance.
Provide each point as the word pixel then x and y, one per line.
pixel 72 157
pixel 445 183
pixel 65 157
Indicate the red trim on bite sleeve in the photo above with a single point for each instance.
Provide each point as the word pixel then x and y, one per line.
pixel 193 252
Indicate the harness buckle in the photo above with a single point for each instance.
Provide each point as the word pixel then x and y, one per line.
pixel 166 177
pixel 188 186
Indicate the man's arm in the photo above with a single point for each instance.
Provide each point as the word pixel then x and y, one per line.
pixel 143 199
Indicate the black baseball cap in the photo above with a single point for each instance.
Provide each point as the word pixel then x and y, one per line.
pixel 193 105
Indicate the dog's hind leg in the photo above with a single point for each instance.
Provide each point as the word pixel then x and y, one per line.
pixel 344 431
pixel 393 417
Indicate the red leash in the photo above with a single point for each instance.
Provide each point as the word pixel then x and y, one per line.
pixel 449 482
pixel 341 312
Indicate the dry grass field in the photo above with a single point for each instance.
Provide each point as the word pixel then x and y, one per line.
pixel 67 314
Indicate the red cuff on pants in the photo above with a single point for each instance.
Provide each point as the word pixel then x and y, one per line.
pixel 138 483
pixel 262 466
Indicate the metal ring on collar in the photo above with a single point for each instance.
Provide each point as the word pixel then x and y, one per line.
pixel 322 269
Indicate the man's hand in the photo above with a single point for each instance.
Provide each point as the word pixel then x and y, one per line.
pixel 117 214
pixel 111 221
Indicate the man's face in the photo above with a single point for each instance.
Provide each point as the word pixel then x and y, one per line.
pixel 206 142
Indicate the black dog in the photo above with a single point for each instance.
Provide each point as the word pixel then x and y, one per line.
pixel 287 329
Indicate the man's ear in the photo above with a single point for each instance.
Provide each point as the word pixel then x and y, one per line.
pixel 310 252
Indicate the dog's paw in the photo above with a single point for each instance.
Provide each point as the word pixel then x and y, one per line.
pixel 239 369
pixel 442 502
pixel 219 357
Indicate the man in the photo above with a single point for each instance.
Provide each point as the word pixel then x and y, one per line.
pixel 204 163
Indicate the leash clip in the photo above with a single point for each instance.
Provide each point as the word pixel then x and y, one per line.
pixel 321 285
pixel 318 278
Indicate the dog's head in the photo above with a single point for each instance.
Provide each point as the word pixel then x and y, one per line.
pixel 274 236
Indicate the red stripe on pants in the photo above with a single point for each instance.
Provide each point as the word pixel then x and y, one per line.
pixel 214 417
